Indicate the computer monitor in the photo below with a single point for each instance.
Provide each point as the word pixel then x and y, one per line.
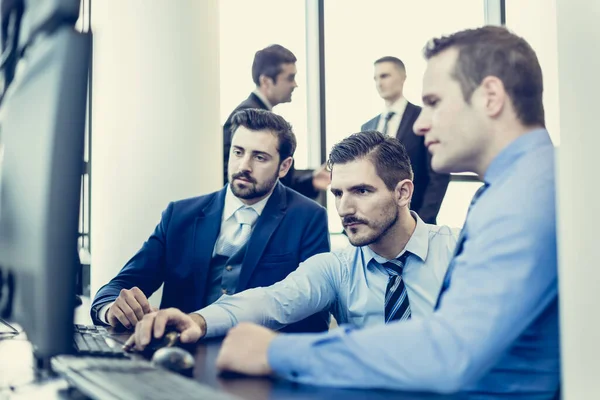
pixel 42 126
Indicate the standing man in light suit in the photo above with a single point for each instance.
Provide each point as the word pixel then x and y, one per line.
pixel 397 120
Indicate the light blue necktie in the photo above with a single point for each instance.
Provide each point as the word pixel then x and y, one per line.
pixel 236 239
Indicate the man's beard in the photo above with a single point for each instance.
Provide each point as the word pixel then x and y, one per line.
pixel 377 231
pixel 253 190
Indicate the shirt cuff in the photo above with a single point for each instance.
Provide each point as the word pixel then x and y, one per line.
pixel 295 356
pixel 103 311
pixel 288 355
pixel 218 321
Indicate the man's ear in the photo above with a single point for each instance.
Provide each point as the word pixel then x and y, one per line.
pixel 265 81
pixel 285 166
pixel 403 192
pixel 494 94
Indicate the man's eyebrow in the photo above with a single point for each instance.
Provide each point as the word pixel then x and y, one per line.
pixel 262 153
pixel 361 186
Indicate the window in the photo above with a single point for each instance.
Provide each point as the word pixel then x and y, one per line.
pixel 248 26
pixel 358 35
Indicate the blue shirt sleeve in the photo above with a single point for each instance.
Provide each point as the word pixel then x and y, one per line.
pixel 503 280
pixel 311 288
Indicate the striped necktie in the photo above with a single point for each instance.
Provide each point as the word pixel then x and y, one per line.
pixel 397 306
pixel 459 245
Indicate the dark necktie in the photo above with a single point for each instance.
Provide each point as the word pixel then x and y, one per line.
pixel 397 306
pixel 388 116
pixel 459 245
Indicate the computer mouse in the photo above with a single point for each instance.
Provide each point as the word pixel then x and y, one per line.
pixel 174 359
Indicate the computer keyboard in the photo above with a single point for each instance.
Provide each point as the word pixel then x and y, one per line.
pixel 114 378
pixel 93 340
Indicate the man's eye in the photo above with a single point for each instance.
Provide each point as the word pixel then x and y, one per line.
pixel 261 158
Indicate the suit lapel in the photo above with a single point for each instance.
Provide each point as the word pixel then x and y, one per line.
pixel 267 223
pixel 206 231
pixel 408 119
pixel 375 122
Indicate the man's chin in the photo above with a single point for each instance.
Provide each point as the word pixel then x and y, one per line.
pixel 358 240
pixel 246 194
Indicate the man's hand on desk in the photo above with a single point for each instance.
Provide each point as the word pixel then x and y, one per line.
pixel 129 308
pixel 191 326
pixel 244 350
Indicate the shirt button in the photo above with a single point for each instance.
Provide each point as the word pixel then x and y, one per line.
pixel 229 268
pixel 224 291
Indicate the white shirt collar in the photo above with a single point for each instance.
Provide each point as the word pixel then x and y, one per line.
pixel 398 106
pixel 232 204
pixel 262 97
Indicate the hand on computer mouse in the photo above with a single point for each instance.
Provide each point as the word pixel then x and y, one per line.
pixel 129 308
pixel 191 327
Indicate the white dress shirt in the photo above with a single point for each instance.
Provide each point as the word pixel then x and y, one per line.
pixel 228 223
pixel 398 108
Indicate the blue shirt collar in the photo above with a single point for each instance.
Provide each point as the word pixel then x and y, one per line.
pixel 502 163
pixel 418 244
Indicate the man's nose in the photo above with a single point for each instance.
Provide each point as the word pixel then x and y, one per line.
pixel 345 206
pixel 245 164
pixel 422 125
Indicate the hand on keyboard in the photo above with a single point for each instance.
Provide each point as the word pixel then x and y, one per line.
pixel 191 327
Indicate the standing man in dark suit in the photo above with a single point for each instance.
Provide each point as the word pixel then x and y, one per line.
pixel 251 233
pixel 274 73
pixel 397 120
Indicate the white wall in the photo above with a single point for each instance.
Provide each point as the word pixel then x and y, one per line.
pixel 535 21
pixel 578 207
pixel 156 129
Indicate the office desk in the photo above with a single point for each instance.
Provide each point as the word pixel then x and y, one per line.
pixel 16 369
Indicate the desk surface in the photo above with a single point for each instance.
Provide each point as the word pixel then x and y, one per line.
pixel 16 369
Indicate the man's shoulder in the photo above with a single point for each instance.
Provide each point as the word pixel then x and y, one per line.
pixel 297 201
pixel 193 204
pixel 251 101
pixel 370 124
pixel 410 105
pixel 442 235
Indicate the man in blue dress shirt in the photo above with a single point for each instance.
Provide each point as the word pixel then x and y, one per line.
pixel 361 284
pixel 495 329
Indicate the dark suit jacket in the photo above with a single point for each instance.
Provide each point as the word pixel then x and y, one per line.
pixel 290 229
pixel 430 187
pixel 302 183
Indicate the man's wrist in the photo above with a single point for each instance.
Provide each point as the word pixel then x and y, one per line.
pixel 200 321
pixel 102 313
